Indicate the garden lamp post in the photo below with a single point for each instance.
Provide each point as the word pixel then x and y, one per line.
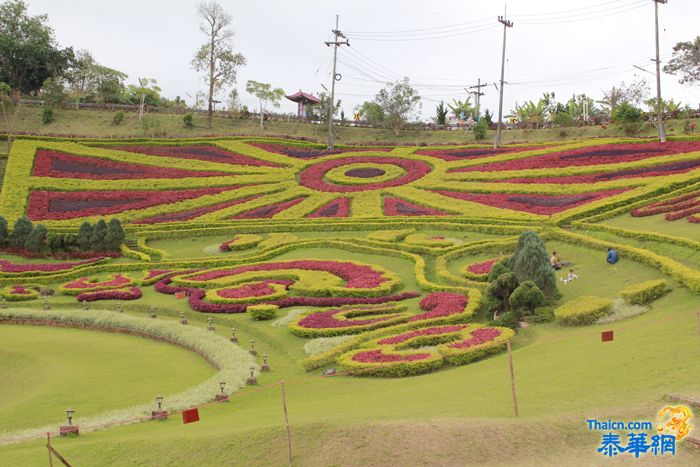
pixel 69 413
pixel 252 379
pixel 233 335
pixel 221 397
pixel 252 350
pixel 183 320
pixel 210 324
pixel 159 401
pixel 153 312
pixel 69 429
pixel 264 366
pixel 159 414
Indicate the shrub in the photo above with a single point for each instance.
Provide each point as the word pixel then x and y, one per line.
pixel 262 312
pixel 628 116
pixel 36 240
pixel 527 296
pixel 187 120
pixel 118 118
pixel 543 314
pixel 583 310
pixel 497 270
pixel 47 115
pixel 531 263
pixel 84 236
pixel 645 292
pixel 502 287
pixel 508 320
pixel 4 233
pixel 99 234
pixel 20 232
pixel 480 129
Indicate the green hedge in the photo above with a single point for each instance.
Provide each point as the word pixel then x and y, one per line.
pixel 583 310
pixel 645 292
pixel 262 312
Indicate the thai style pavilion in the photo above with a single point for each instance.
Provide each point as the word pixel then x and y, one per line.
pixel 303 99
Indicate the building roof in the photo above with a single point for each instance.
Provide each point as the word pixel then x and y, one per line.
pixel 304 97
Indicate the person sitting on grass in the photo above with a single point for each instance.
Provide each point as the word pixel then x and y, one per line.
pixel 554 261
pixel 570 277
pixel 612 256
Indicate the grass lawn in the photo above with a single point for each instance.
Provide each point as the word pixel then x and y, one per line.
pixel 657 223
pixel 45 370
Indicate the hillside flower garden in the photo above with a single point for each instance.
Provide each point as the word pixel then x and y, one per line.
pixel 407 251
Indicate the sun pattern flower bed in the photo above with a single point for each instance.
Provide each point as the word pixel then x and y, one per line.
pixel 18 293
pixel 89 284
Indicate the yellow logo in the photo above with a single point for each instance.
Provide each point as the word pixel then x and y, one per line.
pixel 674 420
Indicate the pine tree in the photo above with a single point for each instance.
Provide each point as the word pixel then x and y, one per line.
pixel 99 233
pixel 21 230
pixel 115 235
pixel 4 234
pixel 531 263
pixel 502 287
pixel 84 236
pixel 36 240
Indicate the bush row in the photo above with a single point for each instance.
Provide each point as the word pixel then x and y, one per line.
pixel 645 292
pixel 583 310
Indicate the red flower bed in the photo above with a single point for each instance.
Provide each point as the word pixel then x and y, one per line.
pixel 19 290
pixel 313 177
pixel 479 336
pixel 694 219
pixel 532 203
pixel 356 276
pixel 198 152
pixel 400 207
pixel 656 171
pixel 60 205
pixel 327 320
pixel 483 267
pixel 8 266
pixel 258 289
pixel 434 331
pixel 267 212
pixel 309 153
pixel 377 356
pixel 339 207
pixel 190 214
pixel 685 204
pixel 132 293
pixel 57 165
pixel 83 283
pixel 608 154
pixel 441 304
pixel 472 153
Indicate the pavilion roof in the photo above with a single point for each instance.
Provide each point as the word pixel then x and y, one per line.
pixel 303 97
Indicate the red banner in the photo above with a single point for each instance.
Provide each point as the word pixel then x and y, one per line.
pixel 190 415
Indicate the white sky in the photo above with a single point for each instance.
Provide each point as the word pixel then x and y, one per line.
pixel 565 46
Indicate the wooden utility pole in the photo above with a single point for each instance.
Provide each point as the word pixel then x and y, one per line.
pixel 512 378
pixel 659 104
pixel 286 422
pixel 477 96
pixel 506 24
pixel 335 77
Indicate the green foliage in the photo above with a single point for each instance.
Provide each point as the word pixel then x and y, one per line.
pixel 502 287
pixel 99 234
pixel 36 240
pixel 29 53
pixel 399 102
pixel 371 112
pixel 531 263
pixel 4 233
pixel 84 236
pixel 645 293
pixel 497 270
pixel 53 92
pixel 20 232
pixel 527 296
pixel 187 120
pixel 628 116
pixel 115 235
pixel 265 94
pixel 118 118
pixel 47 115
pixel 480 129
pixel 562 119
pixel 583 310
pixel 462 109
pixel 319 112
pixel 685 61
pixel 509 320
pixel 262 312
pixel 441 113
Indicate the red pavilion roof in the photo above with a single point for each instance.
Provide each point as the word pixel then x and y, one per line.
pixel 303 97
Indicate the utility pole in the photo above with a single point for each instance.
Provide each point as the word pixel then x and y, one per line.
pixel 335 77
pixel 506 24
pixel 477 96
pixel 659 104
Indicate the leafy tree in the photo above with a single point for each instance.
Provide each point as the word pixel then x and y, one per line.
pixel 108 84
pixel 265 94
pixel 99 234
pixel 29 53
pixel 20 231
pixel 10 109
pixel 371 112
pixel 634 93
pixel 462 109
pixel 498 270
pixel 531 263
pixel 115 235
pixel 53 92
pixel 441 113
pixel 36 240
pixel 319 112
pixel 488 116
pixel 55 241
pixel 527 296
pixel 234 100
pixel 4 233
pixel 216 58
pixel 480 129
pixel 84 236
pixel 685 62
pixel 147 92
pixel 399 102
pixel 47 115
pixel 628 116
pixel 531 113
pixel 502 287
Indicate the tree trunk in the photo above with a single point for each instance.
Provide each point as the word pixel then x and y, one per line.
pixel 211 77
pixel 261 115
pixel 143 100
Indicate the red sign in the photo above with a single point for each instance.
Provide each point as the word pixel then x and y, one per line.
pixel 180 295
pixel 606 336
pixel 190 415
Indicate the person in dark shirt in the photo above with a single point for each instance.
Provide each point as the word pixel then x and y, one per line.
pixel 612 256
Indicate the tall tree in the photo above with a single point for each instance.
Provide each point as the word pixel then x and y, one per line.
pixel 4 233
pixel 10 109
pixel 685 62
pixel 319 112
pixel 29 53
pixel 265 94
pixel 146 87
pixel 371 112
pixel 20 231
pixel 399 102
pixel 216 58
pixel 531 263
pixel 441 113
